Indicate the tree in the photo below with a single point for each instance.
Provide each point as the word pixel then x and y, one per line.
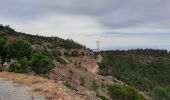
pixel 20 49
pixel 40 64
pixel 2 52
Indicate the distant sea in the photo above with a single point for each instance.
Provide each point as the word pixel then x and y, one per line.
pixel 127 47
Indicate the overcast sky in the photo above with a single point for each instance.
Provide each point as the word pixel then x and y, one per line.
pixel 113 22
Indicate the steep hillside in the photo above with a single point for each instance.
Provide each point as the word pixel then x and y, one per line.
pixel 148 70
pixel 67 56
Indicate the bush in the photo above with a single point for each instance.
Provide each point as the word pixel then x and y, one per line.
pixel 56 53
pixel 71 72
pixel 66 54
pixel 119 92
pixel 102 97
pixel 43 52
pixel 20 49
pixel 61 61
pixel 16 67
pixel 74 53
pixel 82 81
pixel 95 86
pixel 41 64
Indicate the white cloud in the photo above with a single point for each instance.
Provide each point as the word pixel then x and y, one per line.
pixel 62 24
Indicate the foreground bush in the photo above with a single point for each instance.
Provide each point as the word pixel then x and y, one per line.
pixel 16 67
pixel 40 64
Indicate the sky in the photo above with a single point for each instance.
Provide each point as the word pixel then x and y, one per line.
pixel 117 24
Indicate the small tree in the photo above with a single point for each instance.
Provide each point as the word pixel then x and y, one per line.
pixel 43 52
pixel 41 64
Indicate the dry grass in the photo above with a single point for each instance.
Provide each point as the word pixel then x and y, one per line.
pixel 51 89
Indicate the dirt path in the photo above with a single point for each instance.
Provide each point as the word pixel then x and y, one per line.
pixel 96 68
pixel 12 91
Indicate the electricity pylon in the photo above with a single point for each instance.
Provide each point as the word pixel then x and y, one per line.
pixel 98 45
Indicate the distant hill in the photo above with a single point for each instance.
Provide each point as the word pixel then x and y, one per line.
pixel 146 69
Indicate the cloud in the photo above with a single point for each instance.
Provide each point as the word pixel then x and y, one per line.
pixel 111 21
pixel 112 14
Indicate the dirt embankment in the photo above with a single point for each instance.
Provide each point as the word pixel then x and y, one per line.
pixel 52 90
pixel 13 91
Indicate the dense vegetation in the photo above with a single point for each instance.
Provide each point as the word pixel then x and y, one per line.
pixel 22 58
pixel 119 92
pixel 147 70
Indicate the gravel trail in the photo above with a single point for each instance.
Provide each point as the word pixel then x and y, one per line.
pixel 12 91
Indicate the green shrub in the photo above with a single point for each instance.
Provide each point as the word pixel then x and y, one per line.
pixel 71 72
pixel 68 85
pixel 40 64
pixel 119 92
pixel 74 53
pixel 82 81
pixel 95 86
pixel 43 52
pixel 56 53
pixel 16 67
pixel 20 49
pixel 102 97
pixel 61 61
pixel 66 54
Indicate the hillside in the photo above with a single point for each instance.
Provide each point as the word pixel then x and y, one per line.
pixel 39 41
pixel 64 61
pixel 146 69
